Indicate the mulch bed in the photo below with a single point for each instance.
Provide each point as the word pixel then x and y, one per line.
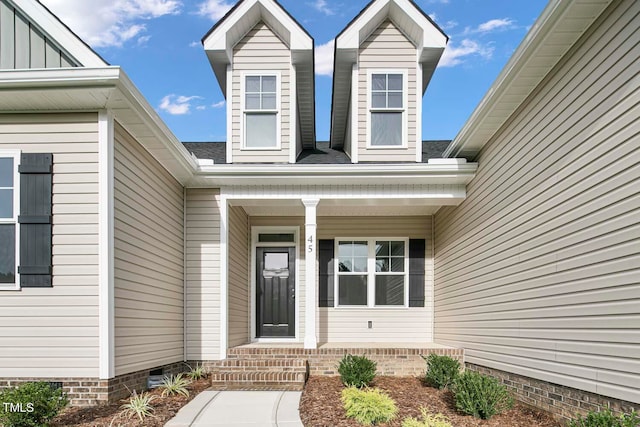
pixel 321 406
pixel 165 408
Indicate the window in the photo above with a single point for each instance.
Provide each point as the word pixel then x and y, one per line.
pixel 372 272
pixel 8 218
pixel 261 112
pixel 387 109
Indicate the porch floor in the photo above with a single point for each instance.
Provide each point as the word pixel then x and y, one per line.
pixel 340 345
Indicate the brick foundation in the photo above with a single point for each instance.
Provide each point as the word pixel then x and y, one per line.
pixel 93 391
pixel 561 401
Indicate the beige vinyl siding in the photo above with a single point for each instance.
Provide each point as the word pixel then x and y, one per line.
pixel 239 284
pixel 261 50
pixel 53 332
pixel 387 48
pixel 537 271
pixel 148 259
pixel 203 274
pixel 23 45
pixel 268 221
pixel 389 325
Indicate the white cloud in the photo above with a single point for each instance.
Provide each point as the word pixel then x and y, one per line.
pixel 142 41
pixel 105 23
pixel 456 55
pixel 324 59
pixel 195 44
pixel 177 105
pixel 491 26
pixel 321 6
pixel 201 107
pixel 218 104
pixel 214 9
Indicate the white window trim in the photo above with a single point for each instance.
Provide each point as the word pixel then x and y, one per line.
pixel 371 273
pixel 404 109
pixel 15 154
pixel 255 233
pixel 277 111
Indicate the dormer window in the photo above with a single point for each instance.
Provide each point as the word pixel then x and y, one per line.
pixel 387 109
pixel 260 110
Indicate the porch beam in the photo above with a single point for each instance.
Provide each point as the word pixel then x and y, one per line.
pixel 311 241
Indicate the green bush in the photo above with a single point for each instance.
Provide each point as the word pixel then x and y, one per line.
pixel 441 371
pixel 356 371
pixel 138 405
pixel 480 395
pixel 368 407
pixel 606 419
pixel 428 420
pixel 35 405
pixel 175 385
pixel 197 373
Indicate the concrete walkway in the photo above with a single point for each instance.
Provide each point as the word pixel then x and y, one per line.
pixel 240 409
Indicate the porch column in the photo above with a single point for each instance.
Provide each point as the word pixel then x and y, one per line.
pixel 311 297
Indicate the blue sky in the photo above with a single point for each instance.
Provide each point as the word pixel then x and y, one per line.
pixel 157 43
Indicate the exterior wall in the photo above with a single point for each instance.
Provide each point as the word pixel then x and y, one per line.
pixel 261 50
pixel 149 256
pixel 392 324
pixel 387 48
pixel 239 283
pixel 203 274
pixel 22 45
pixel 537 270
pixel 53 332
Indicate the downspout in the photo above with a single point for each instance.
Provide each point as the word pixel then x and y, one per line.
pixel 433 278
pixel 184 273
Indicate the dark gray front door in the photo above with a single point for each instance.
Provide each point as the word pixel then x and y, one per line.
pixel 275 293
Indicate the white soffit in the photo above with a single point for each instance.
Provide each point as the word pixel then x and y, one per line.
pixel 56 30
pixel 558 28
pixel 429 40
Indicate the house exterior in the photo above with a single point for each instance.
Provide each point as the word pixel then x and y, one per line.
pixel 124 251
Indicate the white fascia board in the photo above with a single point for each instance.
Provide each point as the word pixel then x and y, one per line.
pixel 56 30
pixel 59 77
pixel 469 140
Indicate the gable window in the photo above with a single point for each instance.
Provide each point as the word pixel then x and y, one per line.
pixel 261 108
pixel 387 109
pixel 372 273
pixel 8 219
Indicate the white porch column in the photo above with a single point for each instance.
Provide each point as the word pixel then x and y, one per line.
pixel 311 297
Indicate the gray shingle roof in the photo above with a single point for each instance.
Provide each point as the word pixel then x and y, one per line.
pixel 322 154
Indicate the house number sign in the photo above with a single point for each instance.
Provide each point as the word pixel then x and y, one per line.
pixel 310 246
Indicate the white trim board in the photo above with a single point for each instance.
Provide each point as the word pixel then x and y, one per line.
pixel 15 154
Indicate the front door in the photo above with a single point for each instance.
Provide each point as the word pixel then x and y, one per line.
pixel 275 293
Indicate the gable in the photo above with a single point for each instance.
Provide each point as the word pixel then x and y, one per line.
pixel 389 45
pixel 261 42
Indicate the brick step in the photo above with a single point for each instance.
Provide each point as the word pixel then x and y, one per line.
pixel 260 374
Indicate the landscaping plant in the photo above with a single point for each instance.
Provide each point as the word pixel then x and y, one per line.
pixel 138 405
pixel 480 395
pixel 428 420
pixel 606 419
pixel 441 371
pixel 197 373
pixel 32 404
pixel 356 371
pixel 175 384
pixel 368 406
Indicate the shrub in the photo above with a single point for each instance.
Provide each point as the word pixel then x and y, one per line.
pixel 197 373
pixel 480 395
pixel 368 407
pixel 175 385
pixel 356 371
pixel 441 371
pixel 138 405
pixel 428 420
pixel 37 403
pixel 606 419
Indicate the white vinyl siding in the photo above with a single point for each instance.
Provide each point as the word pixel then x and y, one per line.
pixel 148 248
pixel 537 271
pixel 239 281
pixel 390 324
pixel 387 48
pixel 53 332
pixel 203 274
pixel 259 52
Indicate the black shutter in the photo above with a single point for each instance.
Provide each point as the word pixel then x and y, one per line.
pixel 325 272
pixel 416 272
pixel 35 220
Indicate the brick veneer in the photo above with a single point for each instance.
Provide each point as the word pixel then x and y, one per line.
pixel 561 401
pixel 93 391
